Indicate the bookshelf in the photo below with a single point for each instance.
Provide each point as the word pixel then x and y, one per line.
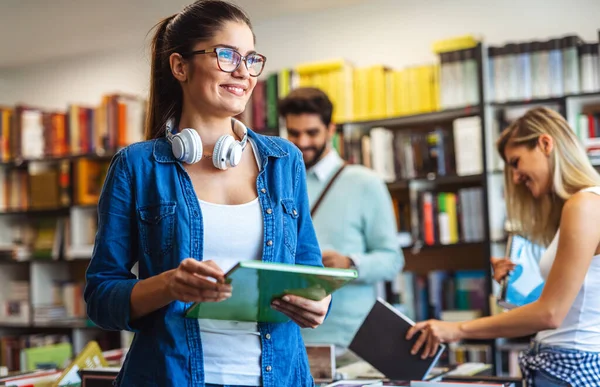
pixel 48 217
pixel 398 117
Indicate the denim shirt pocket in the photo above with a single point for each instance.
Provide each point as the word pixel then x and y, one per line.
pixel 157 230
pixel 290 224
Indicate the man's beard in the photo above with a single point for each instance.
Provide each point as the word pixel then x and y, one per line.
pixel 318 153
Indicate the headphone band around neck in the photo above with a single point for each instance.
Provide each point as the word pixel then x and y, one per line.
pixel 239 129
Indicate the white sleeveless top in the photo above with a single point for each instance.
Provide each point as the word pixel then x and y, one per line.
pixel 232 349
pixel 580 329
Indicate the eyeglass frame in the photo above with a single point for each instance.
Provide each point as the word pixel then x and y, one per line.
pixel 242 58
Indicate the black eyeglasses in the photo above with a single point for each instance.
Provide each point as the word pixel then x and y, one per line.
pixel 229 60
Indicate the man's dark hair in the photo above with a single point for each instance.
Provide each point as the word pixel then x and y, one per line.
pixel 307 100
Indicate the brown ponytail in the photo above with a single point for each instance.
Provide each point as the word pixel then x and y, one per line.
pixel 197 22
pixel 162 84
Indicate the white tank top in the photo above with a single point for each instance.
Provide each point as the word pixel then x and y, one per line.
pixel 580 329
pixel 232 349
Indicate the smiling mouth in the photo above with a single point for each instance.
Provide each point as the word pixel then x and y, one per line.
pixel 235 90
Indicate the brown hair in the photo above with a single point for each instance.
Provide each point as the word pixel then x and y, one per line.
pixel 197 22
pixel 570 169
pixel 307 100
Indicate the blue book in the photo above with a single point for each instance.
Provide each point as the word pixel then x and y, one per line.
pixel 525 283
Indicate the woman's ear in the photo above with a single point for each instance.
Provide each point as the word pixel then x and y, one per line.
pixel 179 67
pixel 546 143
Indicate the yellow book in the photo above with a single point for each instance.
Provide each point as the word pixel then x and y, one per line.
pixel 413 90
pixel 435 81
pixel 283 83
pixel 304 80
pixel 90 357
pixel 404 93
pixel 5 136
pixel 334 90
pixel 452 216
pixel 346 110
pixel 323 66
pixel 390 94
pixel 425 89
pixel 361 94
pixel 376 92
pixel 454 44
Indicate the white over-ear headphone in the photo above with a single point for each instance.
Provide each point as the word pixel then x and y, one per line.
pixel 187 145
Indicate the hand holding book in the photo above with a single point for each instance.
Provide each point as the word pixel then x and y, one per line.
pixel 433 332
pixel 195 281
pixel 304 312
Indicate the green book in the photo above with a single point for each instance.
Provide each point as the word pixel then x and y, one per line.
pixel 255 284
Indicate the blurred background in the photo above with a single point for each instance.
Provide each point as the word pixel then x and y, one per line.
pixel 421 90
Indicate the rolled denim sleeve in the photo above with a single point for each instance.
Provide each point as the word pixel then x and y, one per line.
pixel 383 258
pixel 109 280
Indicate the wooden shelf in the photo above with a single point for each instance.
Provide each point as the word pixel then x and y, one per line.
pixel 543 101
pixel 73 324
pixel 25 162
pixel 60 211
pixel 419 119
pixel 74 261
pixel 437 180
pixel 452 257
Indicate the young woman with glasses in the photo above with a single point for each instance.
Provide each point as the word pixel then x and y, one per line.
pixel 201 194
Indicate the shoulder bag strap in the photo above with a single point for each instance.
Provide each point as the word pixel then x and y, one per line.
pixel 331 181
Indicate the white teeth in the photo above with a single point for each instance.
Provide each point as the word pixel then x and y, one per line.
pixel 237 90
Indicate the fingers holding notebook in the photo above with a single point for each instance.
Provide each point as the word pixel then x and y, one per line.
pixel 304 312
pixel 195 281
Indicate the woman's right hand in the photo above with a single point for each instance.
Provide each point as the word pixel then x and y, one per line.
pixel 502 266
pixel 198 281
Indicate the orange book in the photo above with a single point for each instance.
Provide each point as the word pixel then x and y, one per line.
pixel 122 128
pixel 428 224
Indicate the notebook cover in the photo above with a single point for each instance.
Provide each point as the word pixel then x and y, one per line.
pixel 255 284
pixel 381 342
pixel 525 283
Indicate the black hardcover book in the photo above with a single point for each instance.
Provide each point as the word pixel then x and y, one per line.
pixel 381 342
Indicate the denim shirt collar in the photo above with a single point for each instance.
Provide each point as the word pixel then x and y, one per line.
pixel 266 148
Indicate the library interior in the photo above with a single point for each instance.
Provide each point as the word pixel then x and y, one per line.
pixel 376 142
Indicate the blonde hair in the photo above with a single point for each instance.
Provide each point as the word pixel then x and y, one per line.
pixel 538 218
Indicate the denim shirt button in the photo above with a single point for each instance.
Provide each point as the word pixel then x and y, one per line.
pixel 269 243
pixel 263 190
pixel 269 211
pixel 196 214
pixel 268 336
pixel 269 368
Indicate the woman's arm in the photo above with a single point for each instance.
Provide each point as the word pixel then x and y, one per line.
pixel 578 241
pixel 109 280
pixel 190 282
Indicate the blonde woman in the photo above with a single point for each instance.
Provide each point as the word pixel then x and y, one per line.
pixel 553 192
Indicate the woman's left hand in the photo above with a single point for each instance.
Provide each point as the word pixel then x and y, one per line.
pixel 304 312
pixel 433 332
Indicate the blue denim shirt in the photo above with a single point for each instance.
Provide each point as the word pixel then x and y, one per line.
pixel 149 213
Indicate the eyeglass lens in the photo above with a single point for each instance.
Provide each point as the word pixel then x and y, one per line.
pixel 229 61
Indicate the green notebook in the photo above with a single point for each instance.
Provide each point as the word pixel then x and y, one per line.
pixel 255 284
